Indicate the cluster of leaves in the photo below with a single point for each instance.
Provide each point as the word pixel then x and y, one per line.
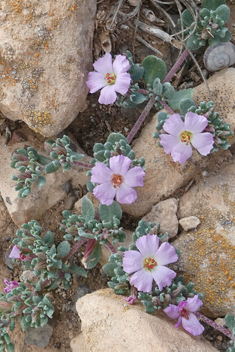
pixel 85 226
pixel 152 72
pixel 230 322
pixel 116 145
pixel 210 25
pixel 31 164
pixel 220 130
pixel 32 311
pixel 157 299
pixel 40 255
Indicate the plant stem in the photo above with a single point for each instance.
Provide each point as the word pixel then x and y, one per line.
pixel 78 163
pixel 111 247
pixel 214 325
pixel 164 104
pixel 75 249
pixel 142 117
pixel 176 66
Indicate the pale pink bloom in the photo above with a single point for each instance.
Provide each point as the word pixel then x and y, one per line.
pixel 111 76
pixel 149 263
pixel 11 285
pixel 184 313
pixel 181 135
pixel 117 180
pixel 15 253
pixel 131 299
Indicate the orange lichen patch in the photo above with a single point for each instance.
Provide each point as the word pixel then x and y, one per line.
pixel 210 267
pixel 39 119
pixel 36 55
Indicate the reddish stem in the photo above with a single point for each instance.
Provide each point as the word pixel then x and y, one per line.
pixel 77 163
pixel 176 66
pixel 164 104
pixel 214 325
pixel 111 247
pixel 142 117
pixel 75 248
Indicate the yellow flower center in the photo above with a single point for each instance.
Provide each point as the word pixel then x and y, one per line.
pixel 186 137
pixel 117 181
pixel 150 263
pixel 110 78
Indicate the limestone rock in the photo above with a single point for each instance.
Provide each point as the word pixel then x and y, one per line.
pixel 189 223
pixel 40 336
pixel 164 213
pixel 109 324
pixel 45 54
pixel 33 206
pixel 208 253
pixel 163 176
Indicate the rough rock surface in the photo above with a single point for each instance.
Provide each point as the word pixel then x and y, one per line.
pixel 33 206
pixel 208 252
pixel 109 324
pixel 163 176
pixel 189 223
pixel 45 54
pixel 165 213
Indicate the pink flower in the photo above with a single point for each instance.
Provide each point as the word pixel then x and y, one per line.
pixel 149 263
pixel 183 134
pixel 15 253
pixel 10 285
pixel 111 76
pixel 184 313
pixel 117 180
pixel 131 299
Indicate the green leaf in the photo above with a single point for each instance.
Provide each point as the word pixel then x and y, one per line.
pixel 187 18
pixel 63 249
pixel 115 137
pixel 136 72
pixel 226 38
pixel 48 238
pixel 178 96
pixel 108 212
pixel 74 269
pixel 41 182
pixel 43 160
pixel 137 98
pixel 10 347
pixel 185 105
pixel 108 269
pixel 230 321
pixel 52 167
pixel 93 257
pixel 168 90
pixel 192 42
pixel 212 4
pixel 88 209
pixel 154 68
pixel 157 87
pixel 212 41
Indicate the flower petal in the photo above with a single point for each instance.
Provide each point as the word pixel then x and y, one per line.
pixel 165 254
pixel 195 123
pixel 134 177
pixel 6 282
pixel 95 81
pixel 142 280
pixel 172 311
pixel 203 142
pixel 105 193
pixel 15 253
pixel 121 64
pixel 192 325
pixel 168 142
pixel 126 194
pixel 181 152
pixel 101 173
pixel 147 245
pixel 104 64
pixel 122 83
pixel 132 261
pixel 119 164
pixel 163 276
pixel 174 125
pixel 193 304
pixel 107 95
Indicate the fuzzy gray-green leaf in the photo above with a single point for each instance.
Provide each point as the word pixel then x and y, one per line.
pixel 107 212
pixel 63 249
pixel 88 210
pixel 154 68
pixel 178 96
